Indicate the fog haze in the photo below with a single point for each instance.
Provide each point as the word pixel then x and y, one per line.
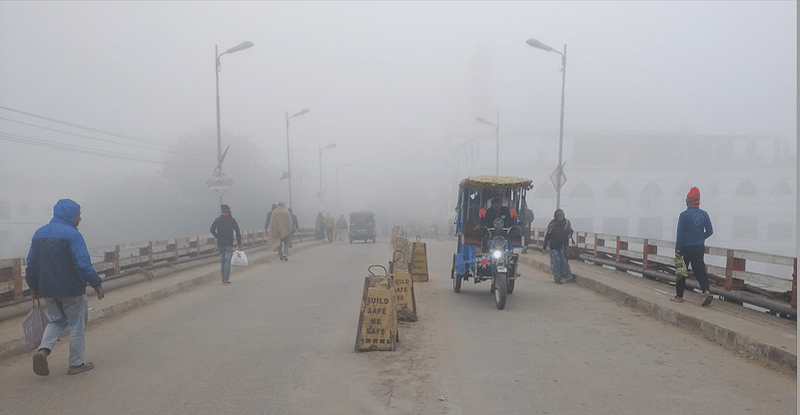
pixel 397 86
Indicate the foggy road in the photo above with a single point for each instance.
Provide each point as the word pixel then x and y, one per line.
pixel 279 340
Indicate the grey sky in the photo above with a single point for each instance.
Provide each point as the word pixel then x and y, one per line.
pixel 390 81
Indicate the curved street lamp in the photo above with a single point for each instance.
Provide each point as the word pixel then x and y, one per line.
pixel 560 170
pixel 220 156
pixel 288 152
pixel 497 133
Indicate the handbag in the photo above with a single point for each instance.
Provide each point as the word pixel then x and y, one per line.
pixel 239 259
pixel 571 250
pixel 34 325
pixel 680 268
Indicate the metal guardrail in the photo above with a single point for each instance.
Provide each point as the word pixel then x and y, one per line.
pixel 733 272
pixel 119 260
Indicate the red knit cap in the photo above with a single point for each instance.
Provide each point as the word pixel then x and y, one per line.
pixel 693 198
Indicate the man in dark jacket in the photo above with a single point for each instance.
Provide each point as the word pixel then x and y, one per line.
pixel 223 229
pixel 58 270
pixel 694 227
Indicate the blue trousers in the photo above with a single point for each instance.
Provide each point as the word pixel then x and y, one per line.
pixel 64 312
pixel 225 255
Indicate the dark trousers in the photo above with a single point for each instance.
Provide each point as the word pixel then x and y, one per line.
pixel 694 257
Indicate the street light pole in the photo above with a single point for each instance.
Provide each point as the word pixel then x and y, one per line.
pixel 321 193
pixel 288 151
pixel 539 45
pixel 217 55
pixel 497 133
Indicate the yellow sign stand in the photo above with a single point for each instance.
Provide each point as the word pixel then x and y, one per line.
pixel 403 290
pixel 419 261
pixel 377 323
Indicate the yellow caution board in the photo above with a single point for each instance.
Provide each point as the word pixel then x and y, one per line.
pixel 404 296
pixel 419 262
pixel 377 323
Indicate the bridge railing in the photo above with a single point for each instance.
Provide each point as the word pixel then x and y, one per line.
pixel 113 261
pixel 767 275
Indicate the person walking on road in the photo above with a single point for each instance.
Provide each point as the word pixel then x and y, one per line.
pixel 223 228
pixel 319 227
pixel 266 224
pixel 527 221
pixel 694 227
pixel 280 231
pixel 58 270
pixel 329 225
pixel 559 230
pixel 295 226
pixel 341 228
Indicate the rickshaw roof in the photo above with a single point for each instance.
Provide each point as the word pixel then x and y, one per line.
pixel 496 182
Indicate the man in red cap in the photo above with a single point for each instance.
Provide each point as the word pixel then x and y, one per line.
pixel 694 227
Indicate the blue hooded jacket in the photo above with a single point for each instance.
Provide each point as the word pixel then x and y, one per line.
pixel 58 262
pixel 694 227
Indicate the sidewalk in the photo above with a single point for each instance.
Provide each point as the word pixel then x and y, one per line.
pixel 128 293
pixel 767 338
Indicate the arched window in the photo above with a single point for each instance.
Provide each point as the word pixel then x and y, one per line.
pixel 746 189
pixel 782 189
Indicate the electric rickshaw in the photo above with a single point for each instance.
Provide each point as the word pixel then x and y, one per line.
pixel 486 238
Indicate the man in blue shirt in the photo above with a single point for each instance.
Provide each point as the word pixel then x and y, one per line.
pixel 694 227
pixel 58 270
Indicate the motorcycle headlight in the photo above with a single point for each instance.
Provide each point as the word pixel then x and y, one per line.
pixel 497 254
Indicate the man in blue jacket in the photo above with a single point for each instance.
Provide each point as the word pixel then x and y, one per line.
pixel 694 227
pixel 58 270
pixel 223 228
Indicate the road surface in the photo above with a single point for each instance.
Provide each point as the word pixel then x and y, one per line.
pixel 280 339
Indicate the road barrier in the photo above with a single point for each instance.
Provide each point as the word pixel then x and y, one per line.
pixel 377 322
pixel 403 288
pixel 740 276
pixel 419 261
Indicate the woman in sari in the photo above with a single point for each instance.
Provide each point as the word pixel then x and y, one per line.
pixel 558 233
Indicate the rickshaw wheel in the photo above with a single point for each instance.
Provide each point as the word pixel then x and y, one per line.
pixel 510 285
pixel 454 275
pixel 500 291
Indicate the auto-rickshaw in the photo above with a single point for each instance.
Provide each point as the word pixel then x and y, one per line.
pixel 486 238
pixel 362 226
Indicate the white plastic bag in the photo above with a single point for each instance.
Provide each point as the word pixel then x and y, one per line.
pixel 239 259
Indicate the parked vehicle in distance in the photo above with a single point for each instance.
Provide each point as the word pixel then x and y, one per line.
pixel 362 226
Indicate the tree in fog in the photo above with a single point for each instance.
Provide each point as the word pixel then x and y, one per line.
pixel 175 201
